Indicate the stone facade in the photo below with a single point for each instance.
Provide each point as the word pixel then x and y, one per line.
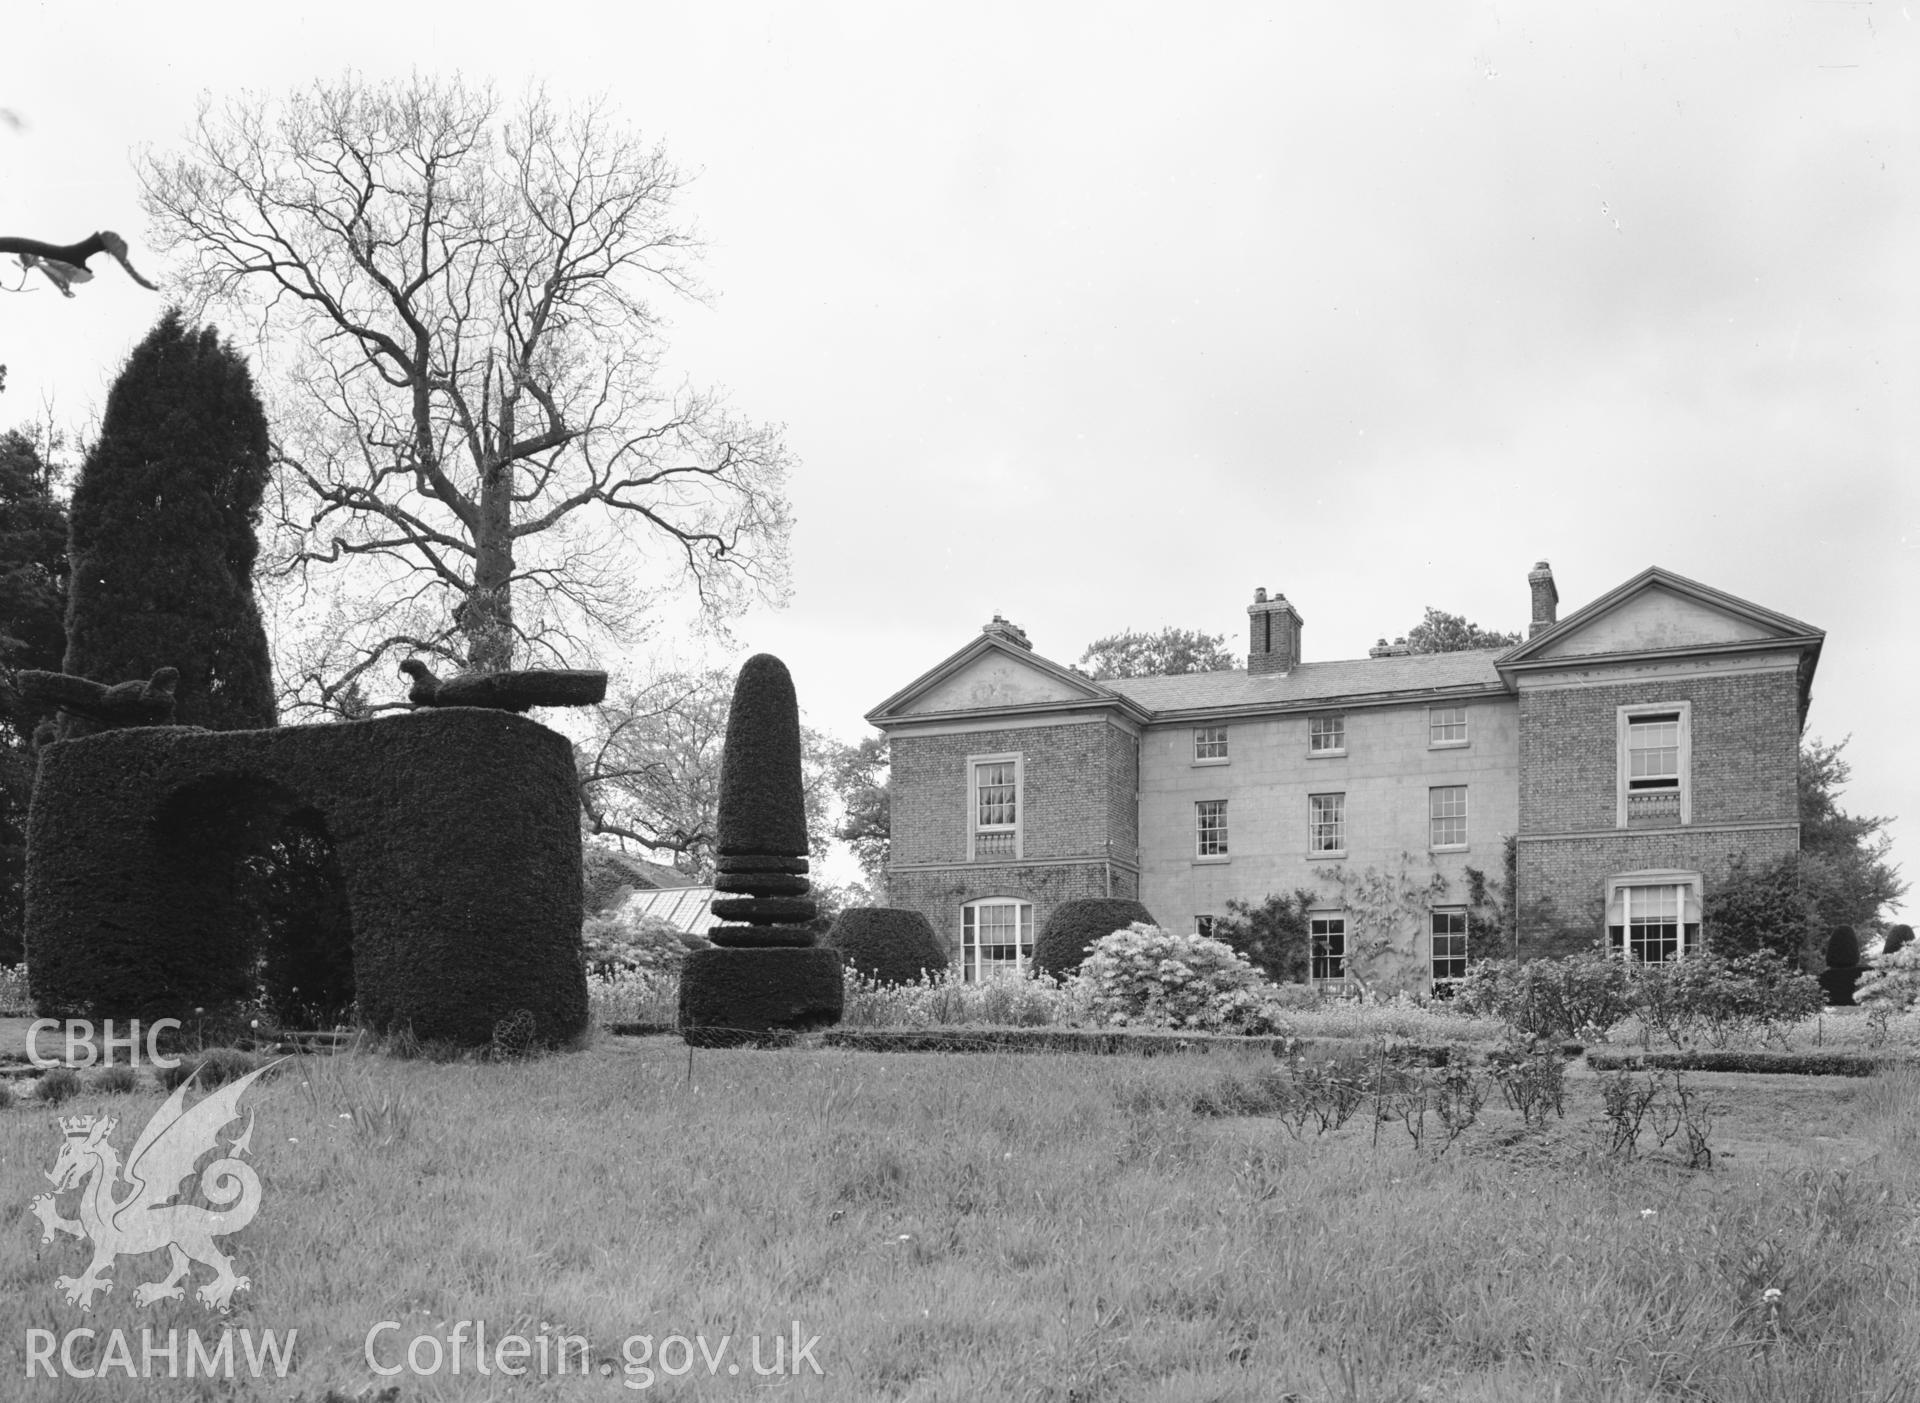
pixel 1192 791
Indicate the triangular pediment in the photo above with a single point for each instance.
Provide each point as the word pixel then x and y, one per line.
pixel 990 674
pixel 1660 612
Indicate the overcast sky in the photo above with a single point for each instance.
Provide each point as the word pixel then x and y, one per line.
pixel 1100 316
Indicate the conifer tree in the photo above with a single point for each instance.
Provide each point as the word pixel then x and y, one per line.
pixel 163 541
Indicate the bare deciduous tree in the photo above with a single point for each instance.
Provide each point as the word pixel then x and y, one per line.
pixel 452 300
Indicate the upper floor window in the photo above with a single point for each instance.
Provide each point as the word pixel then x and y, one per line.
pixel 994 800
pixel 1654 756
pixel 995 935
pixel 1446 725
pixel 1447 949
pixel 1329 945
pixel 1209 743
pixel 1327 735
pixel 1211 828
pixel 1204 925
pixel 1326 823
pixel 1447 816
pixel 1654 917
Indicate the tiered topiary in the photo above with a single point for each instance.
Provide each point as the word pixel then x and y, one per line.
pixel 765 976
pixel 888 944
pixel 1075 925
pixel 1843 967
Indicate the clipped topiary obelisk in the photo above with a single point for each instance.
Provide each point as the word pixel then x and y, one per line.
pixel 765 977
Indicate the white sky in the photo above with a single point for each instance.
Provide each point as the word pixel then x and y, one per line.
pixel 1099 317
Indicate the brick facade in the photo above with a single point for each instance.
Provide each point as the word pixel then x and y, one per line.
pixel 1745 736
pixel 940 893
pixel 1075 777
pixel 1563 881
pixel 1079 820
pixel 1110 778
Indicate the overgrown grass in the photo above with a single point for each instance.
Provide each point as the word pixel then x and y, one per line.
pixel 1042 1228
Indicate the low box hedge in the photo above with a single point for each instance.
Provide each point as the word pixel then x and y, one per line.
pixel 1804 1064
pixel 1104 1041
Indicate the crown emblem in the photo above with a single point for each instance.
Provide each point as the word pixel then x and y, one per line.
pixel 76 1126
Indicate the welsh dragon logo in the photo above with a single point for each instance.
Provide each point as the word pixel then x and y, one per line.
pixel 143 1219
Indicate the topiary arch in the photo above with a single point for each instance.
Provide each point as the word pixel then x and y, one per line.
pixel 457 838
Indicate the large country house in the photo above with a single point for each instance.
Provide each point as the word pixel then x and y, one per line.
pixel 1630 749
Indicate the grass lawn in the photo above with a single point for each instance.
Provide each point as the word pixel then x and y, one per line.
pixel 994 1226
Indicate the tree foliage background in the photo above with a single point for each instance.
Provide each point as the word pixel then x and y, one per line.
pixel 33 634
pixel 1163 653
pixel 1441 632
pixel 650 769
pixel 480 455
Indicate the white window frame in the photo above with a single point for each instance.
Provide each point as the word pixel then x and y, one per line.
pixel 1452 915
pixel 1316 961
pixel 975 830
pixel 1335 725
pixel 972 964
pixel 1206 737
pixel 1221 851
pixel 1465 737
pixel 1687 886
pixel 1205 925
pixel 1339 824
pixel 1434 820
pixel 1624 718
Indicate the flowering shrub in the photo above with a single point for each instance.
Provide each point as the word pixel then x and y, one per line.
pixel 1894 981
pixel 1003 999
pixel 634 996
pixel 628 939
pixel 1147 976
pixel 13 989
pixel 1548 998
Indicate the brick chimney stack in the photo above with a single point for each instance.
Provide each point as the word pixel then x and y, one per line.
pixel 1012 632
pixel 1546 599
pixel 1273 634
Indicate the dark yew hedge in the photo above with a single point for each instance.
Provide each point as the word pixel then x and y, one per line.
pixel 1073 927
pixel 457 835
pixel 741 997
pixel 888 943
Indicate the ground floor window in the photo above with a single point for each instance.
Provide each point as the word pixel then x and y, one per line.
pixel 1654 921
pixel 1329 935
pixel 995 934
pixel 1203 925
pixel 1447 950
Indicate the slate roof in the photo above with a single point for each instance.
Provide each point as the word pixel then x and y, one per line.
pixel 1308 683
